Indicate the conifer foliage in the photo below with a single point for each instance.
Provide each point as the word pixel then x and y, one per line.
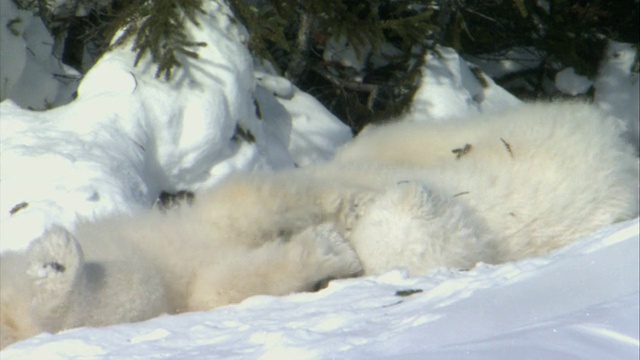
pixel 158 29
pixel 362 59
pixel 556 33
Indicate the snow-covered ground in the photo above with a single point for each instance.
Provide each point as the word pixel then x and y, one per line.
pixel 128 136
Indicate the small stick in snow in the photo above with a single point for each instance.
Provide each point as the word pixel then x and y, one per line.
pixel 460 194
pixel 408 292
pixel 507 146
pixel 18 207
pixel 135 82
pixel 462 151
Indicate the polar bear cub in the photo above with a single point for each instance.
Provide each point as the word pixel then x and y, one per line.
pixel 131 268
pixel 494 188
pixel 497 187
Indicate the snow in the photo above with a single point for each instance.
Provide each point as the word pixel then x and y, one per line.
pixel 27 59
pixel 128 136
pixel 507 62
pixel 338 50
pixel 568 82
pixel 310 130
pixel 449 88
pixel 618 89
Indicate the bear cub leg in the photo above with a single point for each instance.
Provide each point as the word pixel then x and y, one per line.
pixel 55 267
pixel 293 264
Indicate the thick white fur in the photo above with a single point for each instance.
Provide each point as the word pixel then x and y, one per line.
pixel 229 245
pixel 537 177
pixel 531 179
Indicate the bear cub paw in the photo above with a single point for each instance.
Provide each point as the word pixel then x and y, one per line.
pixel 54 258
pixel 333 251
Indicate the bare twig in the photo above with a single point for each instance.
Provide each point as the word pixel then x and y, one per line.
pixel 460 152
pixel 298 61
pixel 18 207
pixel 350 85
pixel 507 146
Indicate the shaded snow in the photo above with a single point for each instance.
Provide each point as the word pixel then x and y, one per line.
pixel 618 88
pixel 310 132
pixel 449 88
pixel 507 62
pixel 570 83
pixel 31 74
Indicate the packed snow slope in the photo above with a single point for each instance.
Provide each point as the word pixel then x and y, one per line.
pixel 127 136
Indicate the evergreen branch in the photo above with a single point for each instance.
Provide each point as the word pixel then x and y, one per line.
pixel 299 57
pixel 351 85
pixel 158 29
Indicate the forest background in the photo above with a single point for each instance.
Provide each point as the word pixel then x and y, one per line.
pixel 361 59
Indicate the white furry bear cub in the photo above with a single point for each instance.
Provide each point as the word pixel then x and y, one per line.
pixel 493 188
pixel 222 249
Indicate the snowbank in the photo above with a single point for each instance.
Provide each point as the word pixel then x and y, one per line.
pixel 451 88
pixel 618 88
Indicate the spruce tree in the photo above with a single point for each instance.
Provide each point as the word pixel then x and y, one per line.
pixel 158 29
pixel 294 37
pixel 387 40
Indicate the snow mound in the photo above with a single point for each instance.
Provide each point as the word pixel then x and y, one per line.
pixel 451 88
